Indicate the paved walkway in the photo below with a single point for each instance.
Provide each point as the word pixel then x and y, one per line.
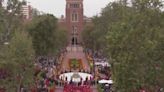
pixel 94 89
pixel 75 52
pixel 59 89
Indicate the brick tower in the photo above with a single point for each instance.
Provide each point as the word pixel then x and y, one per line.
pixel 74 20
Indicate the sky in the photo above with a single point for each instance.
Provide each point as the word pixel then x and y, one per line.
pixel 57 7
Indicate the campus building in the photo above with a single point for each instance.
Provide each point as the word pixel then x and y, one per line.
pixel 74 20
pixel 26 12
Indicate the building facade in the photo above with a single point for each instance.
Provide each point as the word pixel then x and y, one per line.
pixel 74 21
pixel 26 12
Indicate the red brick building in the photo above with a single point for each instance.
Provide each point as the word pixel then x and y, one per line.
pixel 74 20
pixel 26 11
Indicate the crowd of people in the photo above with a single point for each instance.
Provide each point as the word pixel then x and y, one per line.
pixel 45 62
pixel 2 89
pixel 79 86
pixel 100 62
pixel 101 67
pixel 79 70
pixel 106 87
pixel 72 88
pixel 44 73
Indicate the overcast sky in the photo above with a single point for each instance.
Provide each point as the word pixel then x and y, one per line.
pixel 57 7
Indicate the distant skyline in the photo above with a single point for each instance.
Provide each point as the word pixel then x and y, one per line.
pixel 57 7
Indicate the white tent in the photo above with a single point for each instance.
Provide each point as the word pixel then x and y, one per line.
pixel 103 64
pixel 77 78
pixel 106 81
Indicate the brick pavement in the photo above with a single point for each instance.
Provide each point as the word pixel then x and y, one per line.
pixel 75 52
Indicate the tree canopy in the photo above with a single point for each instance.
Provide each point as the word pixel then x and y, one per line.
pixel 17 58
pixel 21 42
pixel 10 19
pixel 132 36
pixel 46 36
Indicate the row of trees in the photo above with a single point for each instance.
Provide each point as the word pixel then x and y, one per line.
pixel 21 42
pixel 8 19
pixel 47 37
pixel 131 34
pixel 16 50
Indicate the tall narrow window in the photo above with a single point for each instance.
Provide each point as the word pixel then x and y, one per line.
pixel 74 5
pixel 74 30
pixel 74 17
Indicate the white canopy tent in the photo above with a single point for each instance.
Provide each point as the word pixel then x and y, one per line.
pixel 75 76
pixel 105 81
pixel 103 64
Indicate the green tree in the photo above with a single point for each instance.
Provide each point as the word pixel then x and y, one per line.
pixel 60 39
pixel 18 60
pixel 132 41
pixel 10 19
pixel 133 38
pixel 45 35
pixel 87 36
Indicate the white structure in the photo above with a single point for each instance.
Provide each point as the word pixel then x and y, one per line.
pixel 75 76
pixel 106 81
pixel 26 11
pixel 103 64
